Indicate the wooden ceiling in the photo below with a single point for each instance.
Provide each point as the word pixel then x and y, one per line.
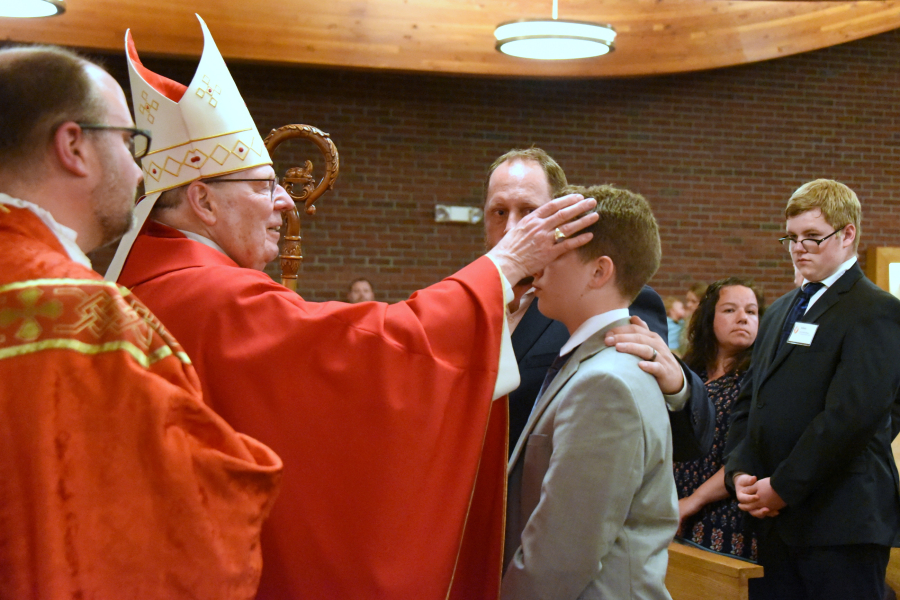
pixel 456 36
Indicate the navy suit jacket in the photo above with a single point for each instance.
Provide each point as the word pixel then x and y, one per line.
pixel 817 419
pixel 536 342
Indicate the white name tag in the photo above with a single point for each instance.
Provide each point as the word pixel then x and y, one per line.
pixel 802 334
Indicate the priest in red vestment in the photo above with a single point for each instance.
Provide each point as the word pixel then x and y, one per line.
pixel 394 452
pixel 116 480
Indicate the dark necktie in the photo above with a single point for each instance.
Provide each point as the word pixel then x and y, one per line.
pixel 801 302
pixel 554 369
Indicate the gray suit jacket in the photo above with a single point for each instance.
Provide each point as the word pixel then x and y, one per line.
pixel 592 506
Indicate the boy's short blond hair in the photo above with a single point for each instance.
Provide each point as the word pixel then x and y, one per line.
pixel 838 203
pixel 626 232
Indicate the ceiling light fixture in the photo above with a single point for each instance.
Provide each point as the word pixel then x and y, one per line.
pixel 543 39
pixel 31 8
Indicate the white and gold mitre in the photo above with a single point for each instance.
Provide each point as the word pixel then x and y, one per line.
pixel 201 130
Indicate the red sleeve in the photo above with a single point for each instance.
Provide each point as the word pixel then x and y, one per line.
pixel 379 411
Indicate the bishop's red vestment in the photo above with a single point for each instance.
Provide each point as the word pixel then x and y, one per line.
pixel 380 413
pixel 116 481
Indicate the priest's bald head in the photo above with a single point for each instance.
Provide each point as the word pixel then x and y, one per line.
pixel 68 141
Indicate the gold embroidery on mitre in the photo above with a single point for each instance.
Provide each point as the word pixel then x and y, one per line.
pixel 194 141
pixel 210 89
pixel 195 159
pixel 222 152
pixel 153 170
pixel 240 150
pixel 170 164
pixel 146 107
pixel 28 313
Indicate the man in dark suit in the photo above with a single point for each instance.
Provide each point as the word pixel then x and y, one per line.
pixel 810 441
pixel 519 182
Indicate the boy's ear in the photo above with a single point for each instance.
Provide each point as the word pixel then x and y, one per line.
pixel 603 272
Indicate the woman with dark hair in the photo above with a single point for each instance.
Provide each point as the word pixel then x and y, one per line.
pixel 720 340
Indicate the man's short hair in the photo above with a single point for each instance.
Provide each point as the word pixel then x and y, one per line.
pixel 42 87
pixel 838 203
pixel 556 177
pixel 626 232
pixel 170 199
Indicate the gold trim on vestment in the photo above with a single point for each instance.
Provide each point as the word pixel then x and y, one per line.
pixel 145 360
pixel 18 285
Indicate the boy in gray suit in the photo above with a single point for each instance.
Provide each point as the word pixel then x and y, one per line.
pixel 592 504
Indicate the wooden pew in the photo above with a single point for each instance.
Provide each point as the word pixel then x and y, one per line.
pixel 893 571
pixel 695 574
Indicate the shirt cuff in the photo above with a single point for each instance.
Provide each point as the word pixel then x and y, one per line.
pixel 676 402
pixel 508 370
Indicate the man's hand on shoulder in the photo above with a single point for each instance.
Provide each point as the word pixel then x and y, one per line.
pixel 531 245
pixel 637 339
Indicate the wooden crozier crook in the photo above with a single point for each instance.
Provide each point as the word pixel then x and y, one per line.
pixel 300 186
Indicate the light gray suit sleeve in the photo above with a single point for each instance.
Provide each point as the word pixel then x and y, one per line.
pixel 594 471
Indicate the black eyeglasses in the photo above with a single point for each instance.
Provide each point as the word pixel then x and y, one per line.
pixel 811 245
pixel 273 183
pixel 138 141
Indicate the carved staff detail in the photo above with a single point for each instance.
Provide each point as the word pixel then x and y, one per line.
pixel 300 186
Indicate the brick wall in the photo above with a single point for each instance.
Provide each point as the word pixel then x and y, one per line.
pixel 716 153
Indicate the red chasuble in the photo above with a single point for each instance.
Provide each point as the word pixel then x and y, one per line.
pixel 380 413
pixel 116 481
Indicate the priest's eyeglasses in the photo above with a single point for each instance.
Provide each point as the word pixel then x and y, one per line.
pixel 138 142
pixel 273 183
pixel 811 245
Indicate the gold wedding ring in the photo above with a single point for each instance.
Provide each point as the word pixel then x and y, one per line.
pixel 558 235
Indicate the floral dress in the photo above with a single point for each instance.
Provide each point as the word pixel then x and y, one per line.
pixel 719 525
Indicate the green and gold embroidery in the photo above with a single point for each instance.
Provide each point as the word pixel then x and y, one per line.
pixel 28 311
pixel 85 316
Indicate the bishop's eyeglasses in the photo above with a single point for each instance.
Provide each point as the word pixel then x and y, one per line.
pixel 273 183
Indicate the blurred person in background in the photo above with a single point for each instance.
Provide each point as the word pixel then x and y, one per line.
pixel 692 297
pixel 674 319
pixel 360 290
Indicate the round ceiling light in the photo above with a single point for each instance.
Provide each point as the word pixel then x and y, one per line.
pixel 554 40
pixel 31 8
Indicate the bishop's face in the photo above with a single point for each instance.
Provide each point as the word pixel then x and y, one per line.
pixel 249 220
